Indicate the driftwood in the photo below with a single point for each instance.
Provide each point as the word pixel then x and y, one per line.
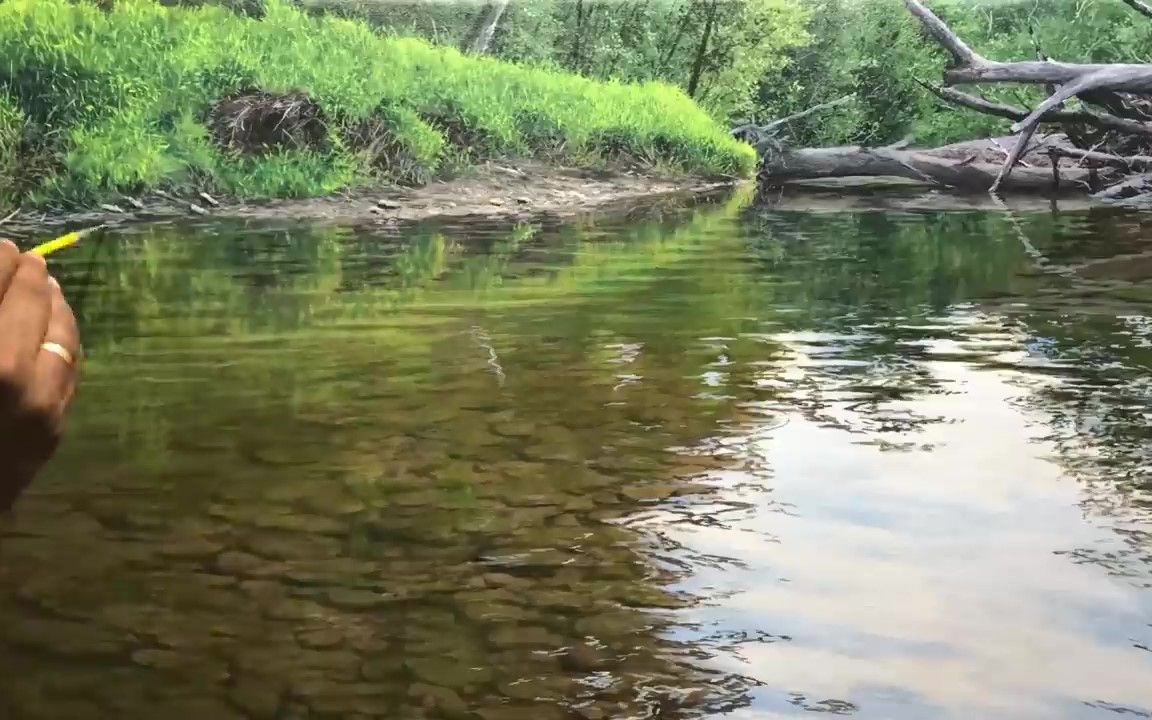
pixel 966 175
pixel 1104 110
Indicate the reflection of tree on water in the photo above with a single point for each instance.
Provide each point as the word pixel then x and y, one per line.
pixel 306 489
pixel 1080 338
pixel 356 516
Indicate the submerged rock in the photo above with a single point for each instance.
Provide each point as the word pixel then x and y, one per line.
pixel 442 702
pixel 447 672
pixel 258 698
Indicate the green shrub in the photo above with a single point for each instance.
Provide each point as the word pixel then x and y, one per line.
pixel 130 95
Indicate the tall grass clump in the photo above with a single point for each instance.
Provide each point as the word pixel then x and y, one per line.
pixel 100 101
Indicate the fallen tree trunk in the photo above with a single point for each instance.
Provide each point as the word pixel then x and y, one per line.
pixel 1091 82
pixel 1106 130
pixel 965 175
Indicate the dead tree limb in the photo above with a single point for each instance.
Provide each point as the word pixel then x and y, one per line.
pixel 1124 162
pixel 920 166
pixel 1105 121
pixel 971 67
pixel 760 136
pixel 1070 79
pixel 805 113
pixel 1141 7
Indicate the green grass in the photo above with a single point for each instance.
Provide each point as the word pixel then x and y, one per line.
pixel 94 103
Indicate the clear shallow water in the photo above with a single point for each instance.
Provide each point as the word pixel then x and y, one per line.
pixel 722 463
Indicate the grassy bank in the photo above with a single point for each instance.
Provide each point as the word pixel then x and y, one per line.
pixel 95 103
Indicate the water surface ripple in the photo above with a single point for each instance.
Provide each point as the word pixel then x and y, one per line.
pixel 724 462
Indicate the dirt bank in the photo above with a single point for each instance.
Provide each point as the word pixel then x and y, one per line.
pixel 492 191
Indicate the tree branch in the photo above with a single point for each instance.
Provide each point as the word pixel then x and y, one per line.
pixel 1070 79
pixel 1088 116
pixel 1141 7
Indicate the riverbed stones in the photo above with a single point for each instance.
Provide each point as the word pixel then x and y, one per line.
pixel 295 610
pixel 356 599
pixel 504 580
pixel 290 546
pixel 64 638
pixel 320 638
pixel 332 504
pixel 536 688
pixel 264 592
pixel 441 702
pixel 516 635
pixel 242 564
pixel 584 658
pixel 258 698
pixel 534 711
pixel 189 548
pixel 384 667
pixel 447 672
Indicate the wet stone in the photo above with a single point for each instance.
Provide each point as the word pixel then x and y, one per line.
pixel 328 571
pixel 354 599
pixel 63 638
pixel 535 711
pixel 242 564
pixel 259 699
pixel 485 612
pixel 649 492
pixel 441 702
pixel 320 638
pixel 590 712
pixel 517 635
pixel 333 505
pixel 291 546
pixel 193 708
pixel 538 688
pixel 560 599
pixel 514 428
pixel 302 523
pixel 191 548
pixel 583 658
pixel 382 668
pixel 331 663
pixel 495 580
pixel 447 672
pixel 296 610
pixel 610 625
pixel 348 699
pixel 159 659
pixel 264 592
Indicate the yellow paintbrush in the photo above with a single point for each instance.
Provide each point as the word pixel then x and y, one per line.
pixel 68 240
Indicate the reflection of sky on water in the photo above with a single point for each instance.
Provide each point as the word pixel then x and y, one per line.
pixel 932 581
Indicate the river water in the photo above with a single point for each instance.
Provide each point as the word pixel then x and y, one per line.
pixel 703 462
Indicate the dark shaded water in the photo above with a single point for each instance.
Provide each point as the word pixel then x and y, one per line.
pixel 762 463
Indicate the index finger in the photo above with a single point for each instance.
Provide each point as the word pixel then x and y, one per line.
pixel 24 313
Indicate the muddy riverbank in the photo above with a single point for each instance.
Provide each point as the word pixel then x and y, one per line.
pixel 491 191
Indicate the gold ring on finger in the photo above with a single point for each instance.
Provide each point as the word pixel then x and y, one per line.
pixel 59 350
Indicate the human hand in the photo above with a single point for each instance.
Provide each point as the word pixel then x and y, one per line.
pixel 39 345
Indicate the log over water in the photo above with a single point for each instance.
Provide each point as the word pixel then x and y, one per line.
pixel 1101 140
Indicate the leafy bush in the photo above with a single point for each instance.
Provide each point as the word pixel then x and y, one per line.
pixel 128 94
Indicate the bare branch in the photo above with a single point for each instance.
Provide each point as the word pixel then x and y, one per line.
pixel 971 67
pixel 941 33
pixel 805 113
pixel 1013 157
pixel 1124 162
pixel 1141 7
pixel 1103 120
